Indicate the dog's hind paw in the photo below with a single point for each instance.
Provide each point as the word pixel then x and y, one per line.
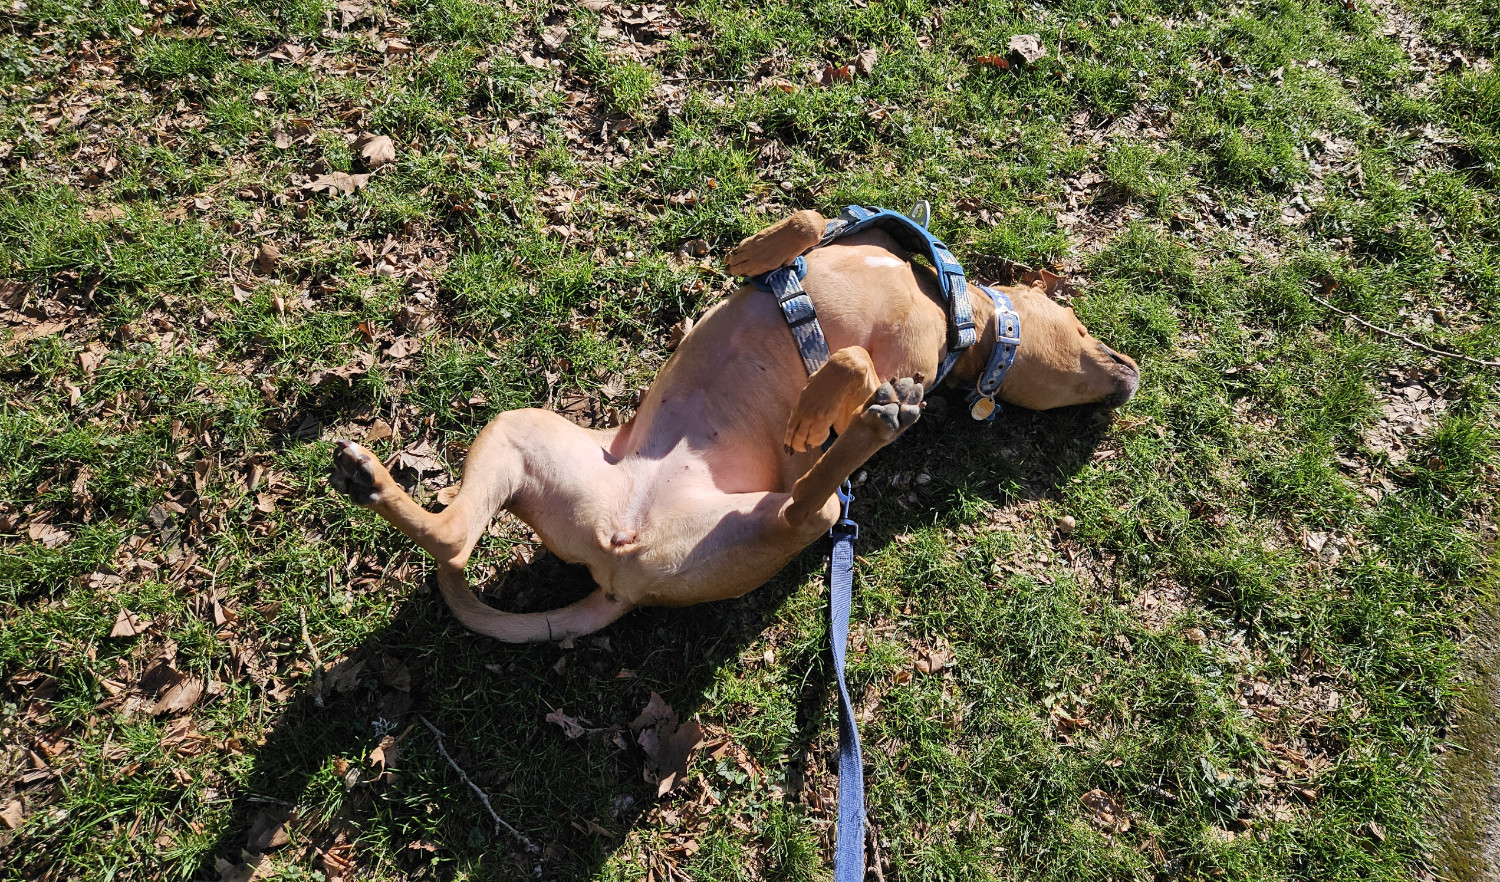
pixel 897 404
pixel 355 473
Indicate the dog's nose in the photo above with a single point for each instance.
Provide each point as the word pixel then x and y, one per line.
pixel 1123 361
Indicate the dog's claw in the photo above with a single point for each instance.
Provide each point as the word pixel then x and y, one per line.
pixel 353 473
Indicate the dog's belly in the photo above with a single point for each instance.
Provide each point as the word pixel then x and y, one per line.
pixel 660 530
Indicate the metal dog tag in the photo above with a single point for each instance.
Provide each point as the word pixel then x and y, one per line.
pixel 983 409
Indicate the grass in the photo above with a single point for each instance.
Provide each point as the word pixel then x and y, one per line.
pixel 1249 640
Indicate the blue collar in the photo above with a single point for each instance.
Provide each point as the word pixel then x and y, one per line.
pixel 982 404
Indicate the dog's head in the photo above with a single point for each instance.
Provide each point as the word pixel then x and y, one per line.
pixel 1059 362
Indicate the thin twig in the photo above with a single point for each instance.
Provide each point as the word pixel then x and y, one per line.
pixel 875 857
pixel 483 797
pixel 1407 340
pixel 317 663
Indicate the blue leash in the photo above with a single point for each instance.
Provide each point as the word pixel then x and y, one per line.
pixel 797 308
pixel 849 851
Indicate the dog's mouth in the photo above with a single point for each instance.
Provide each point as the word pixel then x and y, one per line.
pixel 1127 378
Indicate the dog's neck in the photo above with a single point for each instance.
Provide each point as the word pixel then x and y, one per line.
pixel 966 370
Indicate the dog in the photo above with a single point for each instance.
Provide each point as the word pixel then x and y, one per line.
pixel 722 477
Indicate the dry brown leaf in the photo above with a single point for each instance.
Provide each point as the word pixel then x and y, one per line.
pixel 830 75
pixel 1028 46
pixel 13 814
pixel 266 258
pixel 48 535
pixel 931 661
pixel 401 347
pixel 864 63
pixel 180 697
pixel 1105 810
pixel 384 754
pixel 379 431
pixel 268 830
pixel 570 725
pixel 128 624
pixel 92 356
pixel 375 150
pixel 668 745
pixel 281 139
pixel 337 183
pixel 679 332
pixel 238 872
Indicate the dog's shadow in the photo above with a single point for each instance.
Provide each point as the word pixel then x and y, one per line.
pixel 573 794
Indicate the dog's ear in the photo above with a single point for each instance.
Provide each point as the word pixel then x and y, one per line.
pixel 1049 283
pixel 777 245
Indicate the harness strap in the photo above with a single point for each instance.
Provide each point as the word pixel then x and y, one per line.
pixel 797 309
pixel 914 237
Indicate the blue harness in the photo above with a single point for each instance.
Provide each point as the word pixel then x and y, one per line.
pixel 797 308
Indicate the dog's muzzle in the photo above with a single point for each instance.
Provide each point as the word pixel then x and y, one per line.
pixel 1127 377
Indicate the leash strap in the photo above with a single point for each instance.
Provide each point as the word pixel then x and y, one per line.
pixel 797 308
pixel 849 849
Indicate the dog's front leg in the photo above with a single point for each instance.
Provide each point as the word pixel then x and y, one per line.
pixel 832 398
pixel 888 411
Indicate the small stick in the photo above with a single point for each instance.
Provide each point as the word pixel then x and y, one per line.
pixel 875 858
pixel 483 797
pixel 317 662
pixel 1407 340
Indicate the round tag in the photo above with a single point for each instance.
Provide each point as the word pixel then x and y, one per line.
pixel 983 409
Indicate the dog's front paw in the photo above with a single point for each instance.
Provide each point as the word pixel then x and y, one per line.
pixel 356 473
pixel 897 404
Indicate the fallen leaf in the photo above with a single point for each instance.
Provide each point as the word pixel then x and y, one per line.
pixel 1105 810
pixel 570 726
pixel 48 535
pixel 384 753
pixel 375 150
pixel 180 697
pixel 238 872
pixel 996 61
pixel 343 677
pixel 931 661
pixel 281 139
pixel 268 830
pixel 379 431
pixel 13 814
pixel 337 183
pixel 679 332
pixel 668 744
pixel 128 624
pixel 1028 46
pixel 864 63
pixel 831 75
pixel 266 257
pixel 555 36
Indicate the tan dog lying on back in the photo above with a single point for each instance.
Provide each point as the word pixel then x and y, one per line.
pixel 718 481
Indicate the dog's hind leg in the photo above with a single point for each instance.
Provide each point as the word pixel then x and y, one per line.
pixel 887 413
pixel 532 461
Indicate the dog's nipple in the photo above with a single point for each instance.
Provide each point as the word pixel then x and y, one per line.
pixel 622 538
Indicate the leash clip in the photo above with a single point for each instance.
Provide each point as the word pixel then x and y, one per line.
pixel 845 527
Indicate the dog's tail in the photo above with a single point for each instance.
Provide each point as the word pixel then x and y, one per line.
pixel 584 617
